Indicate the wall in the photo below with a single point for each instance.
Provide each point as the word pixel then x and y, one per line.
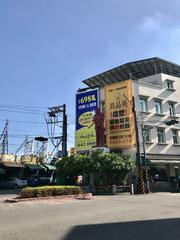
pixel 144 88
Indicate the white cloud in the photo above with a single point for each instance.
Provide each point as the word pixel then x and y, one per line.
pixel 151 23
pixel 160 36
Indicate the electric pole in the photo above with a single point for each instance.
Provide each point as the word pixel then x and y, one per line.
pixel 64 136
pixel 57 118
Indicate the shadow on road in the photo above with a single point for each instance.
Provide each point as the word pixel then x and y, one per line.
pixel 164 229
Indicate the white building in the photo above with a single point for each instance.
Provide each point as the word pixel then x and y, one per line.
pixel 156 89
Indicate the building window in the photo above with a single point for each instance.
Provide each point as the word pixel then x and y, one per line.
pixel 158 106
pixel 103 107
pixel 161 135
pixel 170 84
pixel 147 136
pixel 172 109
pixel 175 136
pixel 143 104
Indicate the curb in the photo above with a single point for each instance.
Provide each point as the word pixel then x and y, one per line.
pixel 84 196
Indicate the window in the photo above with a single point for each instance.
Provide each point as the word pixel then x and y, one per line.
pixel 161 135
pixel 170 84
pixel 158 106
pixel 171 109
pixel 175 136
pixel 147 135
pixel 143 104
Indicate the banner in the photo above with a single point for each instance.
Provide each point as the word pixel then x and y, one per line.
pixel 120 127
pixel 86 104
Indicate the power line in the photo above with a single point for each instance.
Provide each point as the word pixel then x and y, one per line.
pixel 22 106
pixel 17 121
pixel 18 111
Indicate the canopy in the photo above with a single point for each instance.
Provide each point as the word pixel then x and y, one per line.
pixel 14 165
pixel 35 167
pixel 49 167
pixel 164 161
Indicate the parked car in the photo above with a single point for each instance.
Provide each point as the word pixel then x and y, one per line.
pixel 13 182
pixel 37 180
pixel 33 181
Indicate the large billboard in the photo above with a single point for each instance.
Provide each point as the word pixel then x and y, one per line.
pixel 120 127
pixel 86 104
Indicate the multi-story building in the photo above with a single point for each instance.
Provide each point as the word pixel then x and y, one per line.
pixel 156 90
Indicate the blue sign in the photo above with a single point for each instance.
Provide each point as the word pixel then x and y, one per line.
pixel 86 104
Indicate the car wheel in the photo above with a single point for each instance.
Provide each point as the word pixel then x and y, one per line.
pixel 15 186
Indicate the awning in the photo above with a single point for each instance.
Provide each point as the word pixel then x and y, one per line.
pixel 163 157
pixel 13 165
pixel 49 167
pixel 163 161
pixel 35 167
pixel 2 171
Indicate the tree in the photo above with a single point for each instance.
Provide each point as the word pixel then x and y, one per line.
pixel 117 166
pixel 104 168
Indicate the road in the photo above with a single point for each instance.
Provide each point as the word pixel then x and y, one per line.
pixel 153 216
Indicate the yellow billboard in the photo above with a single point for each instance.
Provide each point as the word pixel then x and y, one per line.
pixel 120 127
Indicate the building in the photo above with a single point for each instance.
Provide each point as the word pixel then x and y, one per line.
pixel 155 84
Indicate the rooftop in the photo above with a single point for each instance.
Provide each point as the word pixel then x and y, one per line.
pixel 134 70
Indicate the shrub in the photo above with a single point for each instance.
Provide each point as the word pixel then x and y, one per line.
pixel 30 192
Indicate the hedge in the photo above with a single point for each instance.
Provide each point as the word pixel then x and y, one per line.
pixel 32 192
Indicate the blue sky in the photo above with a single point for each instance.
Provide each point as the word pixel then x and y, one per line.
pixel 48 47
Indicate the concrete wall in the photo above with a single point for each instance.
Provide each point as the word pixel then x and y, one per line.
pixel 143 87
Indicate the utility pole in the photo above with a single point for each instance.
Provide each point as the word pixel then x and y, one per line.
pixel 145 170
pixel 64 136
pixel 138 154
pixel 57 117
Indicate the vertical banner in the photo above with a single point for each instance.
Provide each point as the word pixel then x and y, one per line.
pixel 120 127
pixel 86 104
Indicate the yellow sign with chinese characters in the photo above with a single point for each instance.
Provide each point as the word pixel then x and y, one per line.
pixel 120 127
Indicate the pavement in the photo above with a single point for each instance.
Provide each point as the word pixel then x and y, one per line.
pixel 151 216
pixel 8 193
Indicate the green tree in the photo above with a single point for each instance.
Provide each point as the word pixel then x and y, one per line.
pixel 104 168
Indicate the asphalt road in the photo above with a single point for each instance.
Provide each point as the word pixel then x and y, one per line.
pixel 150 217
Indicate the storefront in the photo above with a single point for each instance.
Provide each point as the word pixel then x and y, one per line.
pixel 12 170
pixel 164 167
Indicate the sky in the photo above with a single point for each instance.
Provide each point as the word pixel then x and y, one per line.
pixel 47 48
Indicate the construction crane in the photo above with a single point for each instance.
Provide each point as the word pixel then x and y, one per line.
pixel 4 140
pixel 42 151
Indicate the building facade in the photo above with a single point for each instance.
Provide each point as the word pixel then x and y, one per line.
pixel 156 91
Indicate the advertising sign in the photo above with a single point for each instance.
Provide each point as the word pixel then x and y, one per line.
pixel 86 104
pixel 120 127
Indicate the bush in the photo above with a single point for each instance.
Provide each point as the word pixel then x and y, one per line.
pixel 30 192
